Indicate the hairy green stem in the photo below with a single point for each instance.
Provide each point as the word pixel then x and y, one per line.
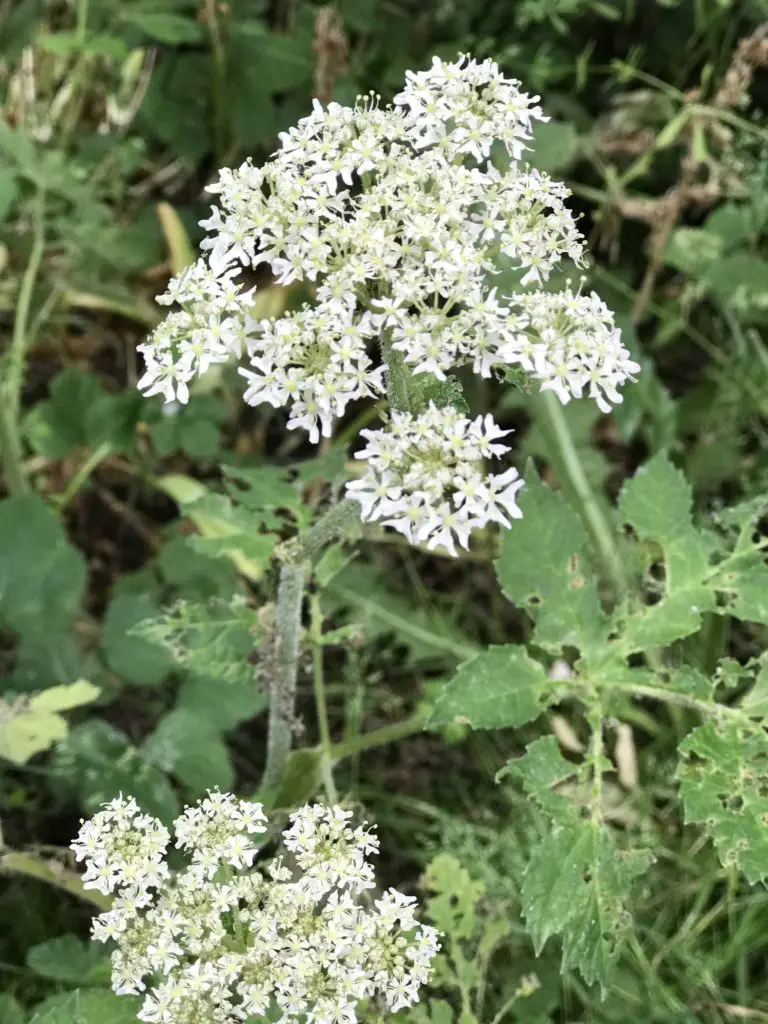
pixel 282 697
pixel 552 422
pixel 290 600
pixel 397 375
pixel 13 375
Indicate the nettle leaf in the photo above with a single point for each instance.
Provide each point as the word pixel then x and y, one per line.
pixel 543 568
pixel 87 1006
pixel 80 414
pixel 65 958
pixel 499 687
pixel 42 576
pixel 578 881
pixel 577 886
pixel 226 531
pixel 723 774
pixel 190 747
pixel 657 504
pixel 134 657
pixel 97 762
pixel 212 638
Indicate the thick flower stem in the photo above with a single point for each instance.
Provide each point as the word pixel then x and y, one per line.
pixel 282 697
pixel 398 375
pixel 290 599
pixel 551 420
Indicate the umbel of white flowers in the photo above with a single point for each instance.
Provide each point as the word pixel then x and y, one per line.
pixel 396 217
pixel 220 941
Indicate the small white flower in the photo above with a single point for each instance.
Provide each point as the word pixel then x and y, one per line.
pixel 425 478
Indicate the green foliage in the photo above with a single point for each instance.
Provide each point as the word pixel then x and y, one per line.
pixel 29 726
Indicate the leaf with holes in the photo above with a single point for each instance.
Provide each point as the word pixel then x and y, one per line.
pixel 723 774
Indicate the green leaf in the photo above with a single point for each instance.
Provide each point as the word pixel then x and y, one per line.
pixel 10 1010
pixel 222 706
pixel 65 958
pixel 9 191
pixel 191 748
pixel 34 725
pixel 301 779
pixel 424 632
pixel 212 639
pixel 42 577
pixel 543 568
pixel 693 251
pixel 740 281
pixel 657 502
pixel 499 687
pixel 577 885
pixel 577 882
pixel 88 1006
pixel 173 29
pixel 97 762
pixel 555 146
pixel 284 61
pixel 453 905
pixel 133 657
pixel 80 414
pixel 723 775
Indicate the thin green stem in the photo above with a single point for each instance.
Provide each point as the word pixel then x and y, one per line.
pixel 219 80
pixel 379 737
pixel 682 700
pixel 83 474
pixel 552 421
pixel 13 377
pixel 321 705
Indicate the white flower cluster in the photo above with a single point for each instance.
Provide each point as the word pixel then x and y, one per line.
pixel 220 942
pixel 425 477
pixel 394 219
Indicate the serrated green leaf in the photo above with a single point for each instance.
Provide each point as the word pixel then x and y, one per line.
pixel 87 1006
pixel 540 769
pixel 543 568
pixel 42 576
pixel 499 687
pixel 96 763
pixel 657 502
pixel 65 958
pixel 133 657
pixel 723 774
pixel 453 905
pixel 213 638
pixel 191 748
pixel 577 885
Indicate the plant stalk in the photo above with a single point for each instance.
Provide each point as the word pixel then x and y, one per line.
pixel 13 376
pixel 551 420
pixel 290 600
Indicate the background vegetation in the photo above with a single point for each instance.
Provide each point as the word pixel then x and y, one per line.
pixel 116 114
